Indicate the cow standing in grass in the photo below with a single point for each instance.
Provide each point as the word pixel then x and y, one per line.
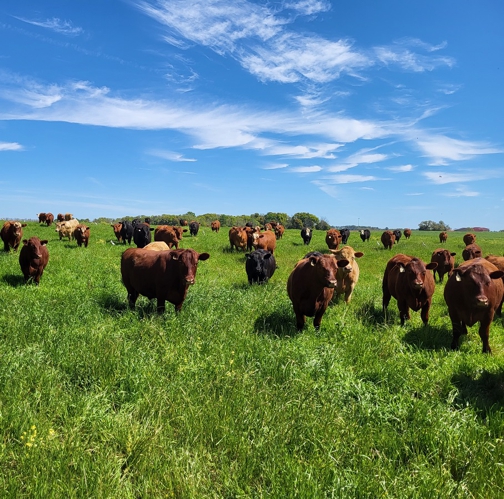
pixel 33 259
pixel 11 234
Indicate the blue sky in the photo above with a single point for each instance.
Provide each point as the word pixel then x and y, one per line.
pixel 381 113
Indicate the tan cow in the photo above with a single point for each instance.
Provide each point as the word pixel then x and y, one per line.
pixel 67 228
pixel 347 276
pixel 157 246
pixel 265 240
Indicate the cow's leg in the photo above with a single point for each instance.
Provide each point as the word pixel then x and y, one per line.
pixel 300 320
pixel 132 298
pixel 403 311
pixel 484 332
pixel 459 328
pixel 161 305
pixel 424 314
pixel 318 318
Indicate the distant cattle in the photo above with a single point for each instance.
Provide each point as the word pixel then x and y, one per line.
pixel 443 236
pixel 194 228
pixel 365 234
pixel 310 287
pixel 147 220
pixel 183 223
pixel 348 275
pixel 268 226
pixel 49 219
pixel 170 234
pixel 260 266
pixel 11 234
pixel 164 275
pixel 250 231
pixel 306 235
pixel 407 233
pixel 279 231
pixel 388 239
pixel 469 238
pixel 117 231
pixel 445 263
pixel 471 251
pixel 33 259
pixel 397 233
pixel 68 216
pixel 126 231
pixel 473 293
pixel 265 240
pixel 333 239
pixel 142 234
pixel 60 217
pixel 157 246
pixel 67 228
pixel 407 279
pixel 81 235
pixel 345 234
pixel 238 238
pixel 215 226
pixel 41 217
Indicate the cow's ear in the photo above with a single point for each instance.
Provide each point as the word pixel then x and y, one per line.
pixel 342 263
pixel 23 225
pixel 44 242
pixel 496 274
pixel 25 241
pixel 267 255
pixel 152 228
pixel 359 254
pixel 184 230
pixel 431 266
pixel 203 256
pixel 247 256
pixel 313 260
pixel 453 254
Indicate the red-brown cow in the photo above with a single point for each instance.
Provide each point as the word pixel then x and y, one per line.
pixel 266 241
pixel 471 251
pixel 215 226
pixel 349 275
pixel 407 280
pixel 443 236
pixel 279 231
pixel 388 239
pixel 333 239
pixel 250 235
pixel 171 235
pixel 60 217
pixel 183 223
pixel 117 231
pixel 469 238
pixel 41 217
pixel 498 261
pixel 11 234
pixel 49 219
pixel 445 263
pixel 238 238
pixel 311 287
pixel 33 259
pixel 68 216
pixel 81 235
pixel 407 233
pixel 473 293
pixel 164 275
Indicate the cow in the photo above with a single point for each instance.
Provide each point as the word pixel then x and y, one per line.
pixel 473 293
pixel 310 287
pixel 41 217
pixel 60 217
pixel 164 275
pixel 407 279
pixel 183 223
pixel 157 246
pixel 266 241
pixel 268 226
pixel 117 231
pixel 170 234
pixel 407 233
pixel 365 234
pixel 194 228
pixel 445 263
pixel 471 251
pixel 142 234
pixel 81 235
pixel 249 224
pixel 67 228
pixel 469 238
pixel 33 259
pixel 306 235
pixel 498 261
pixel 443 236
pixel 68 216
pixel 49 219
pixel 11 234
pixel 215 226
pixel 345 234
pixel 333 239
pixel 348 275
pixel 260 266
pixel 388 239
pixel 279 231
pixel 238 238
pixel 147 220
pixel 126 231
pixel 397 233
pixel 250 231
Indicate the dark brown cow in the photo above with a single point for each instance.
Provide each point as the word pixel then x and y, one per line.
pixel 388 239
pixel 333 239
pixel 164 275
pixel 311 287
pixel 498 261
pixel 11 234
pixel 117 231
pixel 265 240
pixel 49 219
pixel 215 226
pixel 469 238
pixel 250 236
pixel 471 251
pixel 33 259
pixel 473 293
pixel 279 231
pixel 41 218
pixel 60 217
pixel 407 279
pixel 445 263
pixel 407 233
pixel 238 238
pixel 183 223
pixel 443 236
pixel 81 235
pixel 170 234
pixel 68 216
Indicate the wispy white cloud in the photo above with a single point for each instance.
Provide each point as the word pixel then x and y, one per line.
pixel 55 24
pixel 169 155
pixel 349 179
pixel 11 146
pixel 275 166
pixel 308 7
pixel 401 168
pixel 440 177
pixel 305 169
pixel 361 157
pixel 461 191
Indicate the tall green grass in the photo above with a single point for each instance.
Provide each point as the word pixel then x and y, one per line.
pixel 227 399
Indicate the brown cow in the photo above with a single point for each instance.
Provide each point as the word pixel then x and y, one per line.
pixel 473 293
pixel 81 235
pixel 117 231
pixel 443 236
pixel 311 287
pixel 68 216
pixel 250 235
pixel 407 280
pixel 33 259
pixel 41 218
pixel 445 263
pixel 407 233
pixel 279 231
pixel 183 223
pixel 347 276
pixel 215 226
pixel 471 251
pixel 170 234
pixel 157 246
pixel 11 234
pixel 498 261
pixel 388 239
pixel 469 238
pixel 60 217
pixel 49 219
pixel 164 275
pixel 266 241
pixel 238 238
pixel 333 239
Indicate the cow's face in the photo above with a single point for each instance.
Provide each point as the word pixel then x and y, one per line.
pixel 415 272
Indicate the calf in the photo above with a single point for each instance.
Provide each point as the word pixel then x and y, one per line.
pixel 333 239
pixel 445 263
pixel 311 287
pixel 126 231
pixel 81 235
pixel 469 238
pixel 388 239
pixel 194 228
pixel 67 228
pixel 11 234
pixel 471 251
pixel 347 276
pixel 142 234
pixel 260 265
pixel 407 233
pixel 473 293
pixel 407 280
pixel 365 234
pixel 117 231
pixel 237 238
pixel 345 234
pixel 306 235
pixel 397 233
pixel 164 275
pixel 266 241
pixel 33 259
pixel 443 236
pixel 215 226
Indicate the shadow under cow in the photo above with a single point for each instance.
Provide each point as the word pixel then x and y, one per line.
pixel 280 323
pixel 13 280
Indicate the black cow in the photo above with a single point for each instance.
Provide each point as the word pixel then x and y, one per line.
pixel 260 266
pixel 126 231
pixel 345 234
pixel 397 233
pixel 306 234
pixel 194 228
pixel 365 234
pixel 142 234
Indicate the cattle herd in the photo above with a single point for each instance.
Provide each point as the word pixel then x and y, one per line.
pixel 473 293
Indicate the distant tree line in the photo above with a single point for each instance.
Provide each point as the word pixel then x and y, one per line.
pixel 430 225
